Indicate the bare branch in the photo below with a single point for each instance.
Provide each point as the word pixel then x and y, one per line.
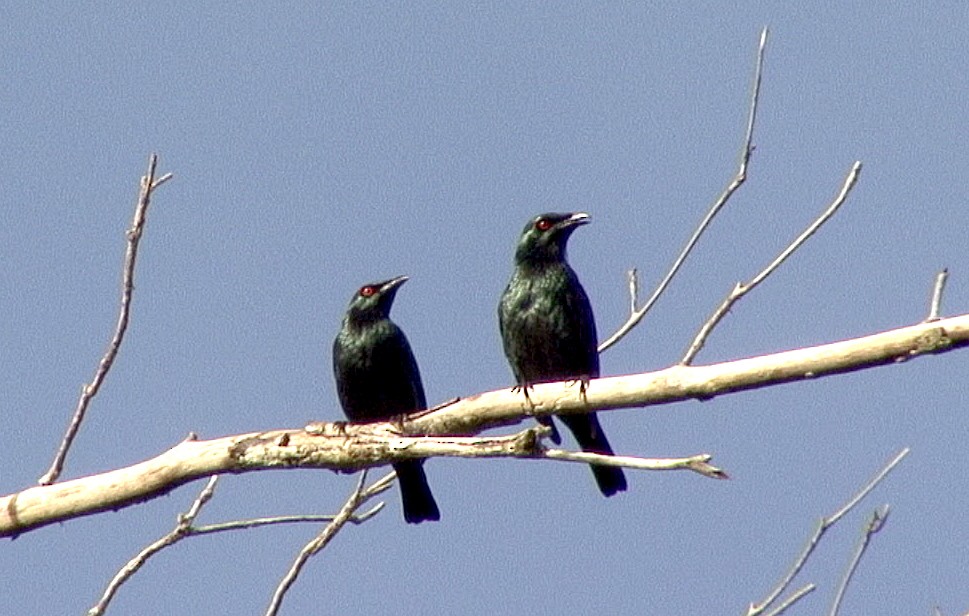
pixel 837 515
pixel 741 289
pixel 359 496
pixel 794 598
pixel 937 290
pixel 381 485
pixel 698 463
pixel 186 528
pixel 180 531
pixel 823 525
pixel 633 292
pixel 148 185
pixel 342 446
pixel 636 315
pixel 874 524
pixel 677 383
pixel 281 519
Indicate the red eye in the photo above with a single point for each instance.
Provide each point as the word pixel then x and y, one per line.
pixel 367 291
pixel 543 224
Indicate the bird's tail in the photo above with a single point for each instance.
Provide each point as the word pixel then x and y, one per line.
pixel 415 493
pixel 588 433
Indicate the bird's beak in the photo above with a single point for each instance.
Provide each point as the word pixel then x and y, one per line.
pixel 579 218
pixel 393 283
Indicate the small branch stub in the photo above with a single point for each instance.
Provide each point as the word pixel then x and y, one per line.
pixel 938 288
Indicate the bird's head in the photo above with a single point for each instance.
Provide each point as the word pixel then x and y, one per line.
pixel 544 238
pixel 372 301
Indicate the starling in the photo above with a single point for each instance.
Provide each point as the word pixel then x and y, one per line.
pixel 377 379
pixel 549 332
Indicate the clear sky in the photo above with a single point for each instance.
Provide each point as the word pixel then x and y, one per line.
pixel 320 146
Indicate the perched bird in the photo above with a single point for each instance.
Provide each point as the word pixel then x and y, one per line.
pixel 549 332
pixel 377 378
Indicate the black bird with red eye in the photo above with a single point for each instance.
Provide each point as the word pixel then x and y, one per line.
pixel 549 331
pixel 377 379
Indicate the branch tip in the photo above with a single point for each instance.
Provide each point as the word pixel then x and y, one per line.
pixel 89 391
pixel 741 289
pixel 823 525
pixel 938 289
pixel 637 314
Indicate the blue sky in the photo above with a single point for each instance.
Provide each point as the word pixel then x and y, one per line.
pixel 320 146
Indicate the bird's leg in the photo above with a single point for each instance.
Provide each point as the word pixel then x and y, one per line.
pixel 340 427
pixel 583 382
pixel 524 389
pixel 398 422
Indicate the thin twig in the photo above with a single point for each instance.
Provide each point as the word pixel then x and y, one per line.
pixel 180 531
pixel 874 524
pixel 868 488
pixel 381 485
pixel 741 289
pixel 794 598
pixel 937 289
pixel 359 496
pixel 633 290
pixel 148 186
pixel 185 528
pixel 698 463
pixel 282 519
pixel 636 315
pixel 823 525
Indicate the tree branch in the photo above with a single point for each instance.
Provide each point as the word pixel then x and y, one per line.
pixel 185 527
pixel 698 463
pixel 636 315
pixel 148 186
pixel 823 525
pixel 679 382
pixel 741 289
pixel 357 499
pixel 874 523
pixel 794 598
pixel 344 447
pixel 182 529
pixel 937 289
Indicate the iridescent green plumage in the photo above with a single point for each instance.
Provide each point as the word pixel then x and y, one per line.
pixel 377 379
pixel 549 331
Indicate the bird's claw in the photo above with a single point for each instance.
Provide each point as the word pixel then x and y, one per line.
pixel 583 382
pixel 524 389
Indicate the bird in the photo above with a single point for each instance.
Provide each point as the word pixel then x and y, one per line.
pixel 548 330
pixel 377 378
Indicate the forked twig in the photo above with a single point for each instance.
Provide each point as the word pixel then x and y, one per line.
pixel 794 598
pixel 823 525
pixel 148 186
pixel 874 524
pixel 741 289
pixel 636 315
pixel 359 496
pixel 180 531
pixel 185 528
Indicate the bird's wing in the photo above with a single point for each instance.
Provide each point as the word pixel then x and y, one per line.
pixel 402 377
pixel 583 337
pixel 509 328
